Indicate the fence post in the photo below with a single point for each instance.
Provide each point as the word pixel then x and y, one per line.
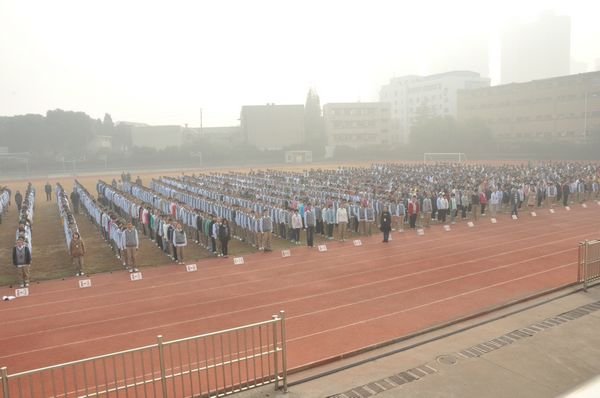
pixel 163 373
pixel 275 353
pixel 283 350
pixel 4 375
pixel 580 262
pixel 585 251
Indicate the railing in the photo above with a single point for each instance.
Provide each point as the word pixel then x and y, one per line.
pixel 210 365
pixel 589 262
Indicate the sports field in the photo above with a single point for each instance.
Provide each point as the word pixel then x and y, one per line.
pixel 340 301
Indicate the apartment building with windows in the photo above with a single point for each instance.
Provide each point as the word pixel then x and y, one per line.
pixel 357 124
pixel 435 95
pixel 565 108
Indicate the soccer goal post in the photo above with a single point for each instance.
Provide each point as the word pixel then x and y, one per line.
pixel 448 157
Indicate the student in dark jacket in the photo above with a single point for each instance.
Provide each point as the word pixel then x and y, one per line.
pixel 224 236
pixel 22 260
pixel 18 200
pixel 75 201
pixel 566 190
pixel 385 223
pixel 48 190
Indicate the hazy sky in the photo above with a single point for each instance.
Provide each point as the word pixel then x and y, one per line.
pixel 159 62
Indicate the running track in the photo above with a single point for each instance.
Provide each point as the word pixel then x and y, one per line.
pixel 337 302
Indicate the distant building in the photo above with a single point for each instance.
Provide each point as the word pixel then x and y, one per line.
pixel 100 143
pixel 541 110
pixel 434 95
pixel 356 124
pixel 157 137
pixel 298 156
pixel 272 126
pixel 537 50
pixel 224 135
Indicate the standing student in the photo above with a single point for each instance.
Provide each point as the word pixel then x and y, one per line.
pixel 266 225
pixel 566 190
pixel 385 223
pixel 442 204
pixel 465 203
pixel 550 195
pixel 427 209
pixel 256 231
pixel 296 227
pixel 482 201
pixel 213 241
pixel 514 202
pixel 362 219
pixel 370 219
pixel 179 242
pixel 475 205
pixel 77 251
pixel 22 260
pixel 329 220
pixel 224 237
pixel 75 201
pixel 413 212
pixel 48 190
pixel 342 222
pixel 131 243
pixel 531 198
pixel 310 221
pixel 18 200
pixel 215 236
pixel 453 208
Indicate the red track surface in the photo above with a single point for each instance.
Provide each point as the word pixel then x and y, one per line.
pixel 338 301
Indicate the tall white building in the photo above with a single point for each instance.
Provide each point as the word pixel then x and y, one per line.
pixel 434 95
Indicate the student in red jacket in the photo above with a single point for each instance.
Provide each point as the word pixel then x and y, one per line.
pixel 413 211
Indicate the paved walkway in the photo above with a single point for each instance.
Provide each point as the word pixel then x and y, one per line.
pixel 536 349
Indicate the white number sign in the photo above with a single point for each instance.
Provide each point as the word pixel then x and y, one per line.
pixel 191 268
pixel 83 283
pixel 135 276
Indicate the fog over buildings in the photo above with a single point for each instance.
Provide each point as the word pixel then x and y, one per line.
pixel 203 78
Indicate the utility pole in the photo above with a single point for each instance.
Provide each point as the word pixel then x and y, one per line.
pixel 201 121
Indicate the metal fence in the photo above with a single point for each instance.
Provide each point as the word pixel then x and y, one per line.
pixel 210 365
pixel 589 262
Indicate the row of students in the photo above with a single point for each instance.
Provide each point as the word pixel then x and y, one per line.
pixel 75 244
pixel 4 201
pixel 22 251
pixel 169 235
pixel 115 230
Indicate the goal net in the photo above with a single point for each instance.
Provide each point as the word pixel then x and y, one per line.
pixel 447 157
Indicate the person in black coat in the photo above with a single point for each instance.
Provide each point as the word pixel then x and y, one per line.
pixel 75 201
pixel 18 200
pixel 566 190
pixel 22 260
pixel 385 223
pixel 48 190
pixel 224 236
